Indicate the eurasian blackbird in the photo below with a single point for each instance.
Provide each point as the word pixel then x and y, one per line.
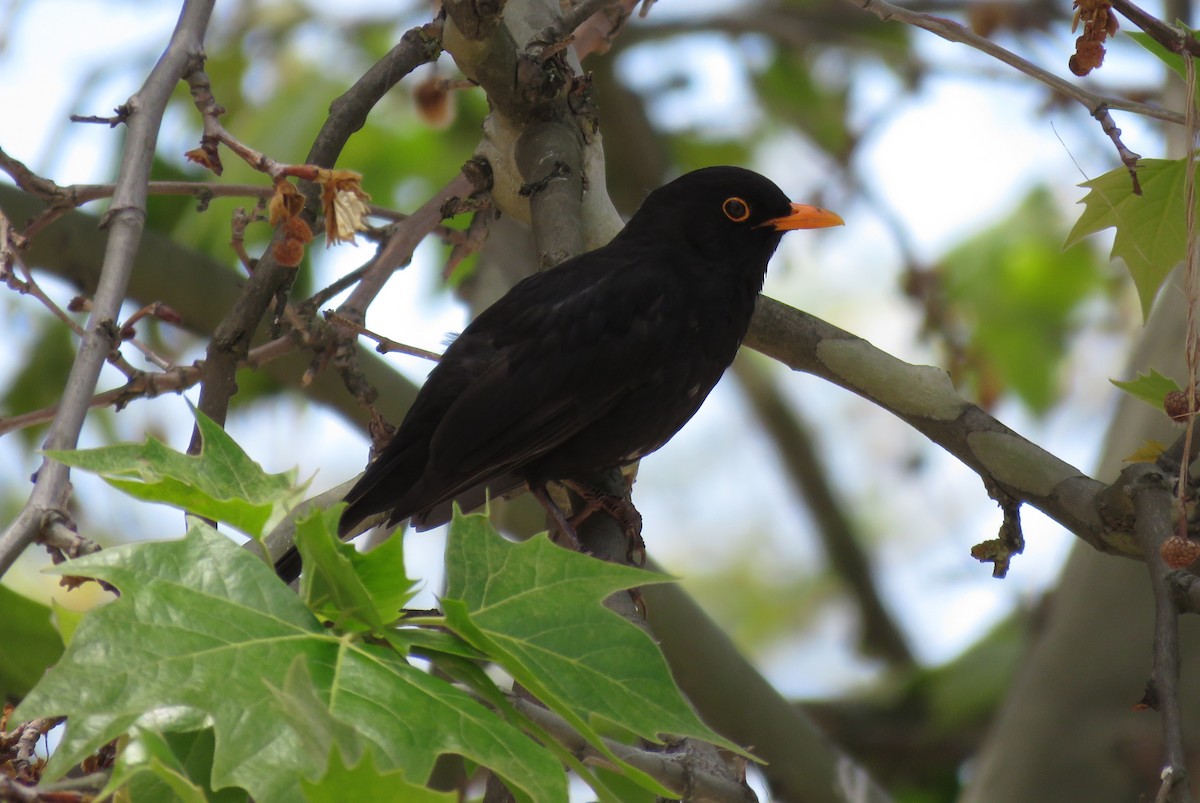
pixel 592 364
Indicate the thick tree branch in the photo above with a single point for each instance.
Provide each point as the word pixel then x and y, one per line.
pixel 126 219
pixel 524 90
pixel 924 398
pixel 741 704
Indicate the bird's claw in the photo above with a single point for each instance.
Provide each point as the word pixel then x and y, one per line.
pixel 620 508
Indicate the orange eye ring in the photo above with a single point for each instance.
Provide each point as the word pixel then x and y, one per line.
pixel 736 209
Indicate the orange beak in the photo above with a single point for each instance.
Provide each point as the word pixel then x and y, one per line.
pixel 805 217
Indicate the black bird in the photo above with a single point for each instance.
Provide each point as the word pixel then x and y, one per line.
pixel 590 365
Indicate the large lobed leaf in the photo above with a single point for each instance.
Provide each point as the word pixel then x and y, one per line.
pixel 537 610
pixel 1151 228
pixel 204 634
pixel 221 483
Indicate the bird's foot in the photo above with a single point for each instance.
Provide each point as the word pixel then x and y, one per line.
pixel 619 507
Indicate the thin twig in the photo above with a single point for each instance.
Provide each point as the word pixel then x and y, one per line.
pixel 147 385
pixel 1152 505
pixel 1191 293
pixel 385 344
pixel 63 198
pixel 700 782
pixel 1128 158
pixel 398 250
pixel 1097 105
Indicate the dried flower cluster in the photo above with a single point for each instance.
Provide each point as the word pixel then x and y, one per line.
pixel 345 204
pixel 1099 23
pixel 342 198
pixel 284 210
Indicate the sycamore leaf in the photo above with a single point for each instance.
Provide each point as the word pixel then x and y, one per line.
pixel 1151 388
pixel 203 631
pixel 537 610
pixel 161 767
pixel 354 590
pixel 1148 452
pixel 222 483
pixel 1151 229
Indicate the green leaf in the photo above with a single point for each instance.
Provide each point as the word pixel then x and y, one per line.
pixel 320 731
pixel 815 106
pixel 1151 228
pixel 1017 292
pixel 40 380
pixel 65 620
pixel 427 643
pixel 163 767
pixel 365 781
pixel 201 634
pixel 1173 60
pixel 221 483
pixel 354 590
pixel 1151 388
pixel 537 610
pixel 28 643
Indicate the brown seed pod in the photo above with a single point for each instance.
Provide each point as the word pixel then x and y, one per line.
pixel 1179 552
pixel 1176 405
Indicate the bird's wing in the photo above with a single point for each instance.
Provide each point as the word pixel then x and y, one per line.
pixel 567 349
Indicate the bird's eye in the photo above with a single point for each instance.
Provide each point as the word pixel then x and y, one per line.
pixel 735 209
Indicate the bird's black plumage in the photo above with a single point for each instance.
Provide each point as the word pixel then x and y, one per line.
pixel 594 363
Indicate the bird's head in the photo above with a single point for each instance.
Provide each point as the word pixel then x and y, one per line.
pixel 729 214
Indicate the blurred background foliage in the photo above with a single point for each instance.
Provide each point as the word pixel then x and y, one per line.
pixel 955 176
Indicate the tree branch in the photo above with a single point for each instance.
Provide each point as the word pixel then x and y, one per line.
pixel 201 290
pixel 695 781
pixel 736 700
pixel 1097 105
pixel 1149 488
pixel 126 220
pixel 923 397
